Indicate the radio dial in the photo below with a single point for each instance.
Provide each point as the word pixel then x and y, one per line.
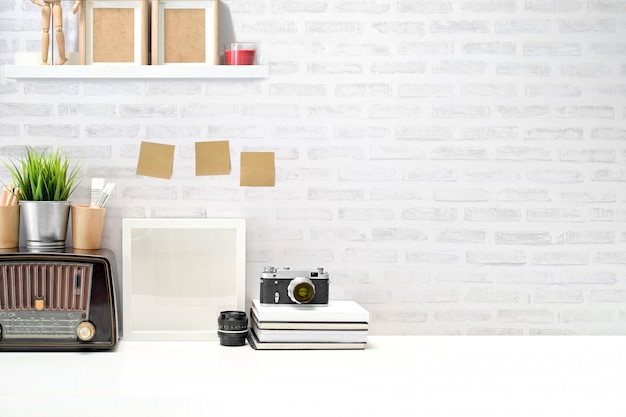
pixel 85 331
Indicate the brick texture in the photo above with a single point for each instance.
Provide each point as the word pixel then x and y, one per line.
pixel 457 166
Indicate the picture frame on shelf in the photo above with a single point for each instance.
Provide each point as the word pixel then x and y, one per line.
pixel 179 274
pixel 185 31
pixel 114 32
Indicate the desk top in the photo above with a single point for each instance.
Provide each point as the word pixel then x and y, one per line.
pixel 411 375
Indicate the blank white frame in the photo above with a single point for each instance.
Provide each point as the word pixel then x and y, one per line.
pixel 178 274
pixel 211 26
pixel 139 17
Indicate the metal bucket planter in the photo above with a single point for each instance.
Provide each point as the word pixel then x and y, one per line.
pixel 45 223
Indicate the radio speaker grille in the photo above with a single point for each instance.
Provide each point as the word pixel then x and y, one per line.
pixel 45 286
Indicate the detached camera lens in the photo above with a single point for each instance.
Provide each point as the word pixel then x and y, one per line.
pixel 232 328
pixel 301 290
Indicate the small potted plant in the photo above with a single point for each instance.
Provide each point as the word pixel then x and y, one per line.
pixel 45 181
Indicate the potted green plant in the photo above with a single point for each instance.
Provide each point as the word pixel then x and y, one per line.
pixel 45 181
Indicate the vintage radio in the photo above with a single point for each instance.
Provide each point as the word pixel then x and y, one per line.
pixel 62 300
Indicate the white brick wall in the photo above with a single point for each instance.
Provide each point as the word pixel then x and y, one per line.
pixel 457 166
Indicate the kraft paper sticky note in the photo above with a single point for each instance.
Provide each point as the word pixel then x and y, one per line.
pixel 155 160
pixel 212 158
pixel 257 169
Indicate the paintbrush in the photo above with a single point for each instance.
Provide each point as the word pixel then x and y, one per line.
pixel 14 197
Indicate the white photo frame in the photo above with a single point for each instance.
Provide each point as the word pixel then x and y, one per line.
pixel 179 274
pixel 122 30
pixel 178 41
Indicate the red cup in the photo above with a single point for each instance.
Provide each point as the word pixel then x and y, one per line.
pixel 240 53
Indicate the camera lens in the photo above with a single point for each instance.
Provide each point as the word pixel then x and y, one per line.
pixel 301 290
pixel 232 328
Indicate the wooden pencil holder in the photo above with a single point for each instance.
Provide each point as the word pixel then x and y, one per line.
pixel 9 226
pixel 87 226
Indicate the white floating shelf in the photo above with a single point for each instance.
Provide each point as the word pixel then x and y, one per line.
pixel 105 71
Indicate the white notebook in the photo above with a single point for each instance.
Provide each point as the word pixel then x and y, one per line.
pixel 312 336
pixel 256 344
pixel 345 311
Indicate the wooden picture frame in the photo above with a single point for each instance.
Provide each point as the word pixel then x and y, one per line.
pixel 185 31
pixel 179 274
pixel 114 32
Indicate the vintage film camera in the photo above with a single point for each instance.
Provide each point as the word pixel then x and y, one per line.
pixel 286 286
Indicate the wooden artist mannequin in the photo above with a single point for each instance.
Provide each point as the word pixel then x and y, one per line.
pixel 52 8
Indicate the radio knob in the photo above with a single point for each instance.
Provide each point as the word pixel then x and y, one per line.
pixel 85 331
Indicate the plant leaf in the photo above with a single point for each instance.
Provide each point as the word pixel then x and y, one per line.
pixel 44 176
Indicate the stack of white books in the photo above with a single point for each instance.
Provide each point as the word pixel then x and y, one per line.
pixel 340 324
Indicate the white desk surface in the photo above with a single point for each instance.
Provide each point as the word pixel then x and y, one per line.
pixel 424 376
